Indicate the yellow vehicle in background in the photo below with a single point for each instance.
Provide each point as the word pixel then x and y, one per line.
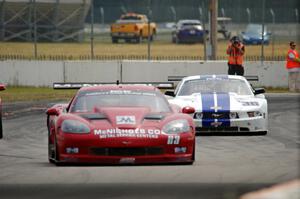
pixel 132 27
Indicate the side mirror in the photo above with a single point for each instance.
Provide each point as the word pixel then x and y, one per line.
pixel 188 110
pixel 170 93
pixel 259 91
pixel 52 111
pixel 2 87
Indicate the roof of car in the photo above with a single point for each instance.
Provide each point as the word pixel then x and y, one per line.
pixel 119 87
pixel 213 76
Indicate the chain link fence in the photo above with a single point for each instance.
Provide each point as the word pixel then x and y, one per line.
pixel 60 30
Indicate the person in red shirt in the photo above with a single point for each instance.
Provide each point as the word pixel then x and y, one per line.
pixel 235 52
pixel 293 67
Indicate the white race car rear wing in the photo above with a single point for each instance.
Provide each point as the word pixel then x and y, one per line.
pixel 75 85
pixel 178 78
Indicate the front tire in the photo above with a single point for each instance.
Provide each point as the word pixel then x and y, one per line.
pixel 1 129
pixel 57 156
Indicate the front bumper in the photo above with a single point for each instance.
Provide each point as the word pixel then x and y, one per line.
pixel 239 125
pixel 124 35
pixel 73 149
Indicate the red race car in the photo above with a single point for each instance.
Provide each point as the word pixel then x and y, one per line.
pixel 120 124
pixel 2 87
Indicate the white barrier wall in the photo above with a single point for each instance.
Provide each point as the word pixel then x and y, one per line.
pixel 91 71
pixel 271 74
pixel 31 73
pixel 44 73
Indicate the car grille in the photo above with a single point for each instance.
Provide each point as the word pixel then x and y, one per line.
pixel 221 129
pixel 213 115
pixel 137 151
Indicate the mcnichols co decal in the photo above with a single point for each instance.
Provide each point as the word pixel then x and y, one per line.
pixel 136 133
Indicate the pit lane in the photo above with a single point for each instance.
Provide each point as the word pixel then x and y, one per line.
pixel 225 167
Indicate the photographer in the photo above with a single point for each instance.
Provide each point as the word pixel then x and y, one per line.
pixel 236 52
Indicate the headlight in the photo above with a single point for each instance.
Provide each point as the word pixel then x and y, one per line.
pixel 198 115
pixel 233 115
pixel 176 126
pixel 199 27
pixel 73 126
pixel 254 114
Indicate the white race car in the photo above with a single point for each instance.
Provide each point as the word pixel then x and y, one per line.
pixel 222 103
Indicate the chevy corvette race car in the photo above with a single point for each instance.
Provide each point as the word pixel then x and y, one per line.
pixel 2 87
pixel 223 103
pixel 120 124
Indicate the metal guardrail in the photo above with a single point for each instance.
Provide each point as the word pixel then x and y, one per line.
pixel 129 57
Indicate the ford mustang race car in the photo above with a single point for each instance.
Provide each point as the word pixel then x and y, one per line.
pixel 223 103
pixel 2 87
pixel 120 124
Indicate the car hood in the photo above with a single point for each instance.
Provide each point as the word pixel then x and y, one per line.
pixel 120 118
pixel 215 102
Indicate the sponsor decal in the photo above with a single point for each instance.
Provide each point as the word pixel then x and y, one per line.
pixel 119 92
pixel 214 77
pixel 250 103
pixel 126 119
pixel 135 133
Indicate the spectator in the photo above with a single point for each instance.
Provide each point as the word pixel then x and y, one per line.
pixel 293 67
pixel 236 51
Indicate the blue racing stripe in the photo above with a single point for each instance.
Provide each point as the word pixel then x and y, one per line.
pixel 207 103
pixel 223 101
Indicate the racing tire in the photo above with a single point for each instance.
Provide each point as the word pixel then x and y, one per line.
pixel 194 153
pixel 1 129
pixel 50 153
pixel 263 133
pixel 57 156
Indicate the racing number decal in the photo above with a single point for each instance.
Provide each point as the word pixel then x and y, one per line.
pixel 173 139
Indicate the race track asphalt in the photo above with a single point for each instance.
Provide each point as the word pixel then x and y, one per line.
pixel 225 167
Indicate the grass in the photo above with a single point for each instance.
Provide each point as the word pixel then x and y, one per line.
pixel 106 48
pixel 19 94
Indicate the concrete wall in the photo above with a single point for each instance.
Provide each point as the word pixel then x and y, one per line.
pixel 44 73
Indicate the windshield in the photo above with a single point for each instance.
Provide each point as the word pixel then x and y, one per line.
pixel 131 18
pixel 189 23
pixel 87 101
pixel 215 85
pixel 255 29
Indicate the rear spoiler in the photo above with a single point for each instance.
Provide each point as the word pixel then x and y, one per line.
pixel 74 85
pixel 178 78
